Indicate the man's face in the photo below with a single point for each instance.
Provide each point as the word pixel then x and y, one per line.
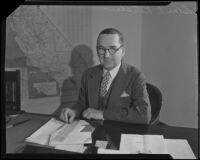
pixel 111 41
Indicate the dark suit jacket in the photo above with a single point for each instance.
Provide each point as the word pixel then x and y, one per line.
pixel 134 108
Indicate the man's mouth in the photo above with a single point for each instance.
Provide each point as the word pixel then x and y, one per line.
pixel 107 60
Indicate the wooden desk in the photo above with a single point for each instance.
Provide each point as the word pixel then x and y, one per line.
pixel 108 130
pixel 111 132
pixel 15 136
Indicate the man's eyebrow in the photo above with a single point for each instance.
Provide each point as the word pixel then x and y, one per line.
pixel 107 46
pixel 113 46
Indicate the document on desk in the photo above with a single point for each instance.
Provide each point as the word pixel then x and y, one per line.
pixel 179 149
pixel 78 148
pixel 149 144
pixel 70 134
pixel 111 151
pixel 42 135
pixel 55 132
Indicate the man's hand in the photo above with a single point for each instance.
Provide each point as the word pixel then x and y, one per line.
pixel 68 115
pixel 91 113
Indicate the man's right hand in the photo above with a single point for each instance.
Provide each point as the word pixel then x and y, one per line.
pixel 68 115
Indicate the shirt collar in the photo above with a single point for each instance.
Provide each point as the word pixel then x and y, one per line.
pixel 113 72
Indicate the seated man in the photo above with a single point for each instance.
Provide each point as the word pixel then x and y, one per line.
pixel 112 90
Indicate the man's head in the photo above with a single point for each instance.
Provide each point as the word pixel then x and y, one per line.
pixel 110 48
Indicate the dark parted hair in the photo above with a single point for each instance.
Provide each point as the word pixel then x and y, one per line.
pixel 112 31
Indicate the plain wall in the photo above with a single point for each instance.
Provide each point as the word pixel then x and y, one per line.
pixel 127 23
pixel 169 59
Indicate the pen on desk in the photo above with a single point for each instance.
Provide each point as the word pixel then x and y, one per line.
pixel 8 120
pixel 68 120
pixel 88 144
pixel 18 123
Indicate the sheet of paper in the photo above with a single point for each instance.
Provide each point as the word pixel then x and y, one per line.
pixel 75 138
pixel 78 148
pixel 83 122
pixel 135 143
pixel 55 132
pixel 60 135
pixel 110 151
pixel 88 128
pixel 42 135
pixel 101 144
pixel 78 138
pixel 155 144
pixel 71 134
pixel 179 149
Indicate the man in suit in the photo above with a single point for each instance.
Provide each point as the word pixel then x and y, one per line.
pixel 112 90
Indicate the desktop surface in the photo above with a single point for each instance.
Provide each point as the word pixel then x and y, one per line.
pixel 31 149
pixel 107 130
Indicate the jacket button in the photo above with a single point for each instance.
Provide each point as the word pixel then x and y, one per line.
pixel 124 112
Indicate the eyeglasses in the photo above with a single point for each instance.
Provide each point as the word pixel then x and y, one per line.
pixel 112 50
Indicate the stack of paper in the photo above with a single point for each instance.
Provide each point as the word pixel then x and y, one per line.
pixel 78 148
pixel 70 134
pixel 111 151
pixel 101 144
pixel 42 135
pixel 152 144
pixel 179 149
pixel 70 137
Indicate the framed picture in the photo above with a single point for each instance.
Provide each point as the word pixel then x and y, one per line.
pixel 12 90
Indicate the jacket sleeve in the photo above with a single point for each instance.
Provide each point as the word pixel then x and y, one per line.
pixel 138 110
pixel 82 97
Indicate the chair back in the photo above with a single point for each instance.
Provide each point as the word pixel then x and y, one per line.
pixel 155 97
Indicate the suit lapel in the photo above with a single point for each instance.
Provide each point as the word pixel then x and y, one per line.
pixel 94 84
pixel 119 84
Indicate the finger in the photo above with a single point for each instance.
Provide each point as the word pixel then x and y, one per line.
pixel 71 118
pixel 66 115
pixel 87 115
pixel 85 112
pixel 62 115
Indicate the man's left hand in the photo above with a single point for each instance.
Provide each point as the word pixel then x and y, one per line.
pixel 91 113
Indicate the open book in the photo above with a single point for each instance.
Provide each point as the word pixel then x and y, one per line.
pixel 61 135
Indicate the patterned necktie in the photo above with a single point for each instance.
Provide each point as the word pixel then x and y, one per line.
pixel 104 84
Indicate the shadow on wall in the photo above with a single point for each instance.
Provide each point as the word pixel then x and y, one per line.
pixel 81 59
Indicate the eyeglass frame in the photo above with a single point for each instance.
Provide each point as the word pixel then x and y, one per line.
pixel 105 49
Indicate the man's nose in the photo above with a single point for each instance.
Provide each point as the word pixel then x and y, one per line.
pixel 107 53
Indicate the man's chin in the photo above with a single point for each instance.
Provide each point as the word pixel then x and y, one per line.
pixel 108 67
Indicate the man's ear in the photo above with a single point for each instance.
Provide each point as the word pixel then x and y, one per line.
pixel 123 50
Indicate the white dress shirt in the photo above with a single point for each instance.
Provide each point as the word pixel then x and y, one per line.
pixel 113 74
